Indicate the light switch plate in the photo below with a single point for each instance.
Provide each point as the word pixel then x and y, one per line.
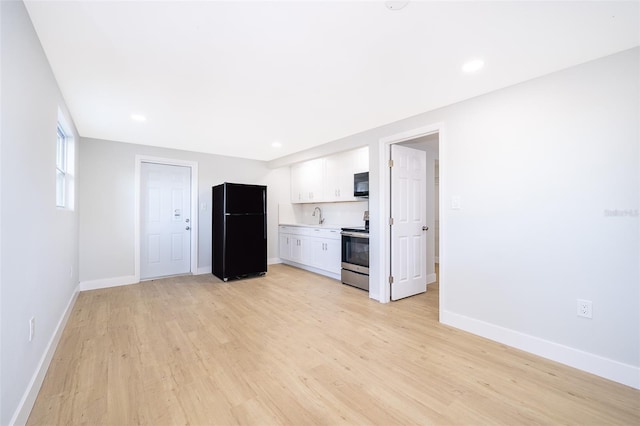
pixel 456 202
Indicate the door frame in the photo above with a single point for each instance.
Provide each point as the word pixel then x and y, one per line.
pixel 194 208
pixel 384 204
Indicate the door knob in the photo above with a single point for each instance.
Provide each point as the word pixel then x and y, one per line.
pixel 186 220
pixel 187 228
pixel 425 228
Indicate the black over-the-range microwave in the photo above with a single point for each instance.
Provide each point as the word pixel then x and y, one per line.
pixel 361 184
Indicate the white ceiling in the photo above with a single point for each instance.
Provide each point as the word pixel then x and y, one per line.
pixel 232 77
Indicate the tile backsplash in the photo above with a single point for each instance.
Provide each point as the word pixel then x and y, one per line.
pixel 343 214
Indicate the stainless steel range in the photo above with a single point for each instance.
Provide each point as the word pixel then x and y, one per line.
pixel 355 257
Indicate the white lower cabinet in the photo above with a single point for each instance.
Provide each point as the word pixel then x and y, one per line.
pixel 298 246
pixel 291 246
pixel 314 249
pixel 324 253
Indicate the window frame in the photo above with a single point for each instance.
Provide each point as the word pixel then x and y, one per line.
pixel 65 164
pixel 62 145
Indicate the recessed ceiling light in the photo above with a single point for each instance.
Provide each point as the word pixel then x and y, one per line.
pixel 138 117
pixel 473 65
pixel 276 144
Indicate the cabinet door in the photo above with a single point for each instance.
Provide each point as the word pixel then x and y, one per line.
pixel 333 256
pixel 297 248
pixel 339 171
pixel 307 181
pixel 315 252
pixel 338 185
pixel 333 174
pixel 348 167
pixel 285 246
pixel 361 160
pixel 296 183
pixel 324 253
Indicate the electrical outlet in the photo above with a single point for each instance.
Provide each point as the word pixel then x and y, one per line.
pixel 32 328
pixel 585 308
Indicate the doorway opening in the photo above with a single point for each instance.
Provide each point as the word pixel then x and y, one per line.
pixel 414 273
pixel 429 140
pixel 166 225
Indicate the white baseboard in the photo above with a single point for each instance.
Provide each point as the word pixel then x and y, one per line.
pixel 203 270
pixel 274 260
pixel 312 269
pixel 432 278
pixel 21 414
pixel 626 374
pixel 374 296
pixel 107 282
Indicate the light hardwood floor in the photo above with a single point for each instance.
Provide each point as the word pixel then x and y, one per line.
pixel 296 348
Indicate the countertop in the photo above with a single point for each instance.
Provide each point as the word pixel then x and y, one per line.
pixel 323 226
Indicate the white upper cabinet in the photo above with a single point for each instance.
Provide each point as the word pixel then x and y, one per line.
pixel 361 164
pixel 307 181
pixel 328 179
pixel 339 171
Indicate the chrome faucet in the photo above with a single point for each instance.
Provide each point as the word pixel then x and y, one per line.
pixel 320 218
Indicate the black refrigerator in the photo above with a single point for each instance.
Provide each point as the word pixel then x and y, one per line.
pixel 239 230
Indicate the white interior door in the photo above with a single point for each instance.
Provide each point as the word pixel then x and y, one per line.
pixel 165 215
pixel 408 232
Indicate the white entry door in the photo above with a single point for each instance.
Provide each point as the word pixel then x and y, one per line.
pixel 408 232
pixel 165 215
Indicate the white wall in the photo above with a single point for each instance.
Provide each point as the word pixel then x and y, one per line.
pixel 39 254
pixel 107 205
pixel 537 166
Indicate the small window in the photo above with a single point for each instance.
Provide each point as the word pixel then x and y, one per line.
pixel 61 168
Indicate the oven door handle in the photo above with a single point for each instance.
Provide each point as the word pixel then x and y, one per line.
pixel 355 234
